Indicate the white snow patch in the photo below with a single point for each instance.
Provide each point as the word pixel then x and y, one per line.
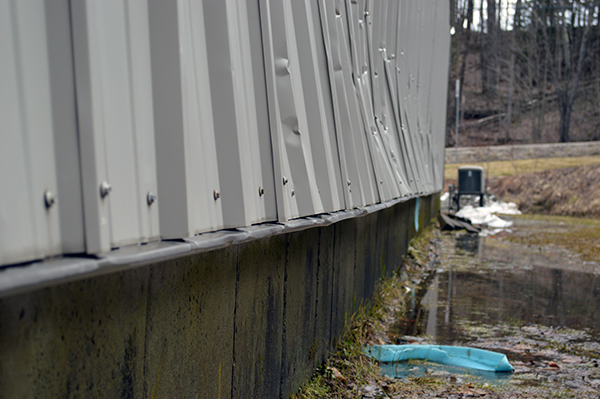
pixel 486 215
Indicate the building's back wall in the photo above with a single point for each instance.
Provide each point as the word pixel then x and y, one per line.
pixel 250 320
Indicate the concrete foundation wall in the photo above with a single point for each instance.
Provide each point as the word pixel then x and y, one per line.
pixel 247 321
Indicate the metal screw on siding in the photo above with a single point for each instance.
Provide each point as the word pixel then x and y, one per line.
pixel 150 198
pixel 293 193
pixel 285 180
pixel 261 191
pixel 380 181
pixel 105 189
pixel 348 182
pixel 216 194
pixel 366 14
pixel 49 199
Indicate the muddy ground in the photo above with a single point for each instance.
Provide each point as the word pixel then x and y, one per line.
pixel 538 303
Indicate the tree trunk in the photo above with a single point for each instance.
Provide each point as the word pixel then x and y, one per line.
pixel 510 98
pixel 491 57
pixel 568 94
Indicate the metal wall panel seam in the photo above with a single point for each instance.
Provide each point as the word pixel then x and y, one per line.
pixel 140 82
pixel 249 149
pixel 64 125
pixel 204 211
pixel 239 168
pixel 112 104
pixel 29 227
pixel 267 190
pixel 96 215
pixel 109 35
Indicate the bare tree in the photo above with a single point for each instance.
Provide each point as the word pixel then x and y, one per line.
pixel 567 66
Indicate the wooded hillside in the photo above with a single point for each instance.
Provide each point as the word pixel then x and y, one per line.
pixel 529 71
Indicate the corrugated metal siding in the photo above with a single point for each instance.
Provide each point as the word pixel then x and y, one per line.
pixel 208 115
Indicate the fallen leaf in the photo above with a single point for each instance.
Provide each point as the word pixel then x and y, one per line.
pixel 571 359
pixel 554 365
pixel 335 373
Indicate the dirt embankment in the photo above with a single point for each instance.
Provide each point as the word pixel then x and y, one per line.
pixel 571 191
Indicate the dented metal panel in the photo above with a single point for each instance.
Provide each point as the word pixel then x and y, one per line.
pixel 168 119
pixel 29 218
pixel 355 161
pixel 116 130
pixel 317 103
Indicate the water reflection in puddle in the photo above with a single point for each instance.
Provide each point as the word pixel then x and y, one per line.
pixel 486 291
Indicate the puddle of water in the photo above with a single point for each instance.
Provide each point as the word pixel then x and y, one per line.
pixel 498 297
pixel 491 291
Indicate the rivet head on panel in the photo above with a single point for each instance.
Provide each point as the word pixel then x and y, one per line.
pixel 105 189
pixel 216 194
pixel 348 182
pixel 380 181
pixel 392 56
pixel 293 193
pixel 261 191
pixel 285 180
pixel 49 199
pixel 367 14
pixel 151 198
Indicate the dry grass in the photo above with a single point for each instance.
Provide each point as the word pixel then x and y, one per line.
pixel 583 235
pixel 509 168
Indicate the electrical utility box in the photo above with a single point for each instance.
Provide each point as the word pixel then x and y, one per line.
pixel 471 181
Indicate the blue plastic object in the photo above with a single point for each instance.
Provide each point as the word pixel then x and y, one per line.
pixel 460 356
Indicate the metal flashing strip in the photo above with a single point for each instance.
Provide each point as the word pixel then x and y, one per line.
pixel 20 279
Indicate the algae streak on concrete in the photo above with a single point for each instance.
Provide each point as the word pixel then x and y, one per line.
pixel 250 320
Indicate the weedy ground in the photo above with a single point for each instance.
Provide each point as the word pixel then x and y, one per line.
pixel 550 362
pixel 349 373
